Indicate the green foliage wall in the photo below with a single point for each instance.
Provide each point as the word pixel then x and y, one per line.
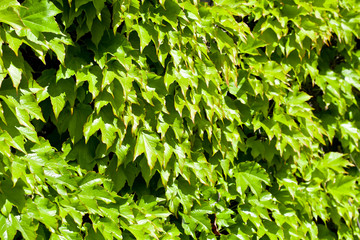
pixel 173 119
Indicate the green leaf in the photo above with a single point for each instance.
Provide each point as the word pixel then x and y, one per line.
pixel 298 99
pixel 80 3
pixel 14 66
pixel 348 129
pixel 90 180
pixel 99 194
pixel 196 220
pixel 9 3
pixel 99 5
pixel 29 133
pixel 342 187
pixel 28 103
pixel 144 35
pixel 134 119
pixel 92 127
pixel 84 153
pixel 148 143
pixel 97 31
pixel 93 75
pixel 7 228
pixel 45 211
pixel 14 193
pixel 25 226
pixel 63 180
pixel 9 14
pixel 108 134
pixel 58 103
pixel 109 229
pixel 251 174
pixel 223 39
pixel 79 117
pixel 18 168
pixel 60 92
pixel 334 161
pixel 58 46
pixel 39 15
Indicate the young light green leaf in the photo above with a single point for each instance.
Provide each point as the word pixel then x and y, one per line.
pixel 250 174
pixel 147 143
pixel 11 16
pixel 342 187
pixel 29 103
pixel 7 228
pixel 144 35
pixel 334 161
pixel 92 126
pixel 25 225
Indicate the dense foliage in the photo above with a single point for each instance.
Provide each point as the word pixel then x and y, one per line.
pixel 169 119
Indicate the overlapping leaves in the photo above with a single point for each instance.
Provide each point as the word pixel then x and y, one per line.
pixel 179 119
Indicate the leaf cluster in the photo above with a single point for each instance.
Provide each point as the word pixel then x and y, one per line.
pixel 179 119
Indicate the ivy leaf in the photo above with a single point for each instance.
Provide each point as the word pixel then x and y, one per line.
pixel 14 193
pixel 99 5
pixel 7 229
pixel 144 35
pixel 58 102
pixel 9 14
pixel 148 143
pixel 108 127
pixel 84 153
pixel 334 161
pixel 342 187
pixel 18 168
pixel 29 133
pixel 8 3
pixel 108 134
pixel 109 229
pixel 97 31
pixel 61 179
pixel 348 129
pixel 80 3
pixel 92 126
pixel 90 180
pixel 14 65
pixel 298 99
pixel 45 211
pixel 78 120
pixel 29 103
pixel 251 174
pixel 93 75
pixel 99 194
pixel 25 226
pixel 39 15
pixel 14 41
pixel 197 217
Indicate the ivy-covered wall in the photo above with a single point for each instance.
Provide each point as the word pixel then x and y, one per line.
pixel 174 119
